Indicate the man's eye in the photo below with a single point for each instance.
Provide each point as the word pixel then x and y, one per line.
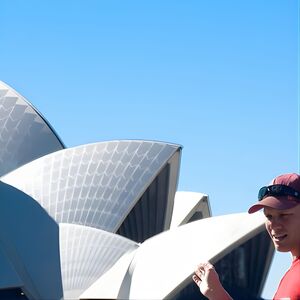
pixel 269 217
pixel 284 215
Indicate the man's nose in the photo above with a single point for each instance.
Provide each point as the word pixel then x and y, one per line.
pixel 275 223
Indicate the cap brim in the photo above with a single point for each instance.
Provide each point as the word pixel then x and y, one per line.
pixel 274 202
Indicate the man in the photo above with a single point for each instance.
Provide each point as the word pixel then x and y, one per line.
pixel 280 202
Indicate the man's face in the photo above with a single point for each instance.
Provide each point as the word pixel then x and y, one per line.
pixel 283 227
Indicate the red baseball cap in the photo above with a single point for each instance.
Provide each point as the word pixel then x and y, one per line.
pixel 280 201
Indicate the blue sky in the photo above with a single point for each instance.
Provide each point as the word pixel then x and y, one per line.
pixel 218 77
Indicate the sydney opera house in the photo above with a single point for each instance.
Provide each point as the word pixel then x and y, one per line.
pixel 105 220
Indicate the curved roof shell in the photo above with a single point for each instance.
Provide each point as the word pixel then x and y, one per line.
pixel 112 282
pixel 24 134
pixel 189 206
pixel 99 184
pixel 72 256
pixel 176 253
pixel 226 241
pixel 86 254
pixel 27 253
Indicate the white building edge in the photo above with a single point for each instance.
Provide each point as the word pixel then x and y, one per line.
pixel 104 220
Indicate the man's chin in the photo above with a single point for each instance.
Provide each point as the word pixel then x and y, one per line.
pixel 281 248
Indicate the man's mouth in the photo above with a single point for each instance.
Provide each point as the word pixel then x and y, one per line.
pixel 279 237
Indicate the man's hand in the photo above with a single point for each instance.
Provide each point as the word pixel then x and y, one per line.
pixel 209 283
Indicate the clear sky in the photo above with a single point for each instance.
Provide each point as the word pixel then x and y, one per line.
pixel 218 77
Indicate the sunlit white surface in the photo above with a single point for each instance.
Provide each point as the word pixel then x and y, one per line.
pixel 111 283
pixel 24 133
pixel 186 204
pixel 86 254
pixel 94 185
pixel 178 251
pixel 29 242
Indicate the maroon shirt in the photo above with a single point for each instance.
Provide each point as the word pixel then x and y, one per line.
pixel 289 286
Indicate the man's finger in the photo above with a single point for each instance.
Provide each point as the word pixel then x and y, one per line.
pixel 197 280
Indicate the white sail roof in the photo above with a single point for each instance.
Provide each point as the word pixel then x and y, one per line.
pixel 97 184
pixel 24 133
pixel 188 205
pixel 163 264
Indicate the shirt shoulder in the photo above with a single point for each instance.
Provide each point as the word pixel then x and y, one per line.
pixel 289 286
